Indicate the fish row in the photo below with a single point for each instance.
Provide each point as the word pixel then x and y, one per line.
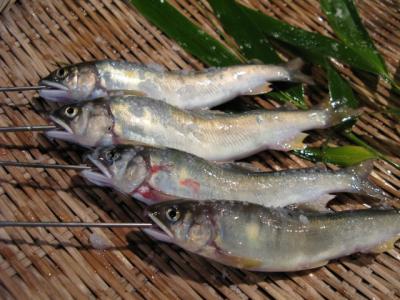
pixel 155 144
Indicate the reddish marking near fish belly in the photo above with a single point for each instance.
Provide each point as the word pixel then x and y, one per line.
pixel 190 183
pixel 157 168
pixel 148 193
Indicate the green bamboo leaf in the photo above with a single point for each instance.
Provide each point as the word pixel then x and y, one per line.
pixel 356 140
pixel 294 95
pixel 343 17
pixel 189 36
pixel 309 41
pixel 254 44
pixel 342 156
pixel 340 91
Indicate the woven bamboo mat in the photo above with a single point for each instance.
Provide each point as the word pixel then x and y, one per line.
pixel 63 263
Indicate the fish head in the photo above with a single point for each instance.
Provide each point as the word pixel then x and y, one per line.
pixel 73 83
pixel 185 223
pixel 89 123
pixel 123 168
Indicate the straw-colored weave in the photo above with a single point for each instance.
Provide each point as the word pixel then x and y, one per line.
pixel 61 263
pixel 5 4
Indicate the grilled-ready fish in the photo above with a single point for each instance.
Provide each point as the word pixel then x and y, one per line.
pixel 254 237
pixel 213 136
pixel 153 174
pixel 208 88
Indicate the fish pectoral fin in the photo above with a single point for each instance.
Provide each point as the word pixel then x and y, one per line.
pixel 241 166
pixel 298 142
pixel 262 89
pixel 206 112
pixel 115 93
pixel 237 261
pixel 386 246
pixel 119 141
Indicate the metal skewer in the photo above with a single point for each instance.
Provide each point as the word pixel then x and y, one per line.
pixel 71 224
pixel 23 88
pixel 28 128
pixel 42 165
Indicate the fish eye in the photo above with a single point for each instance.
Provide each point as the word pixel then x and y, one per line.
pixel 111 155
pixel 71 112
pixel 62 73
pixel 173 214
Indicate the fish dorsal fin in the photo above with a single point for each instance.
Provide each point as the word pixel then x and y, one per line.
pixel 156 67
pixel 255 61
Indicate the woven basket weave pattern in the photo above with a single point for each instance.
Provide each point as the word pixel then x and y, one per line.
pixel 36 36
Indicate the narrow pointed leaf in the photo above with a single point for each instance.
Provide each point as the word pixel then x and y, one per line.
pixel 251 41
pixel 294 95
pixel 340 91
pixel 342 156
pixel 343 17
pixel 189 36
pixel 254 44
pixel 310 41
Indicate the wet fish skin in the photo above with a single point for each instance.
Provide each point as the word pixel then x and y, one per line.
pixel 257 238
pixel 219 137
pixel 168 173
pixel 205 89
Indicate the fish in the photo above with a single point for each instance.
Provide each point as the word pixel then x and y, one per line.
pixel 207 134
pixel 257 238
pixel 152 174
pixel 187 90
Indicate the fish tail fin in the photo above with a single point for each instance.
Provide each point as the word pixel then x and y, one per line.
pixel 362 184
pixel 339 115
pixel 294 68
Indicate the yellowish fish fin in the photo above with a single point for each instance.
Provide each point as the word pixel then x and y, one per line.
pixel 135 143
pixel 297 143
pixel 207 112
pixel 126 93
pixel 237 261
pixel 241 166
pixel 386 246
pixel 255 61
pixel 262 89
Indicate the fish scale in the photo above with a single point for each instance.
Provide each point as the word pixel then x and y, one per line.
pixel 257 238
pixel 213 136
pixel 182 175
pixel 193 90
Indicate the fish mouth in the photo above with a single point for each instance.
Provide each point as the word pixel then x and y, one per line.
pixel 55 92
pixel 162 233
pixel 102 178
pixel 66 134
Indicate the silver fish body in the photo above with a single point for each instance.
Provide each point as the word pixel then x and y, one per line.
pixel 219 137
pixel 203 89
pixel 154 174
pixel 257 238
